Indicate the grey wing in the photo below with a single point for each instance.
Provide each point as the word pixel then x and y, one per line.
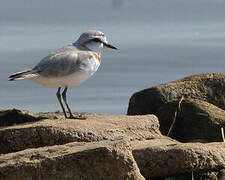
pixel 63 63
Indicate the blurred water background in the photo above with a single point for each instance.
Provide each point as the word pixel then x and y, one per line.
pixel 159 41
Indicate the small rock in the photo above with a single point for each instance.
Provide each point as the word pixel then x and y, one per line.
pixel 221 175
pixel 15 116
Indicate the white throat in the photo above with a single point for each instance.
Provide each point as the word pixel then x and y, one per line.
pixel 96 47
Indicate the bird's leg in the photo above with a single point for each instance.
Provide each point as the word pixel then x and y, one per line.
pixel 65 100
pixel 60 101
pixel 68 107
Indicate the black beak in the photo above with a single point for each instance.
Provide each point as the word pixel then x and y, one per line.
pixel 105 44
pixel 109 46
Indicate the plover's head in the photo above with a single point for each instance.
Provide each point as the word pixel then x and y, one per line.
pixel 94 40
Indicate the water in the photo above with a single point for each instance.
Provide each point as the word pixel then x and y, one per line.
pixel 159 41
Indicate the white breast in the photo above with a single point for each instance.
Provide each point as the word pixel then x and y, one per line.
pixel 74 79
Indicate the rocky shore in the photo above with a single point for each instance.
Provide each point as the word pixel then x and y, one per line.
pixel 134 146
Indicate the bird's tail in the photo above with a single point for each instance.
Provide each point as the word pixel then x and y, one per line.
pixel 26 74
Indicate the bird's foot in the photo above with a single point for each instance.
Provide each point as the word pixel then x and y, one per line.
pixel 81 117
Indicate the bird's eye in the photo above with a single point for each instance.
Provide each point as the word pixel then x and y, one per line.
pixel 96 40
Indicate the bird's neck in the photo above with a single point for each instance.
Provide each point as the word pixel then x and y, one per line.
pixel 98 53
pixel 96 48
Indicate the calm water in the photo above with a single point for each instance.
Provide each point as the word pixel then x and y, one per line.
pixel 158 41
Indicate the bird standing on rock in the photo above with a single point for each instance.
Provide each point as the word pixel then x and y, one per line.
pixel 68 66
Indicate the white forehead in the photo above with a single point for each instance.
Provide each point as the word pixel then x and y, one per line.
pixel 90 35
pixel 94 33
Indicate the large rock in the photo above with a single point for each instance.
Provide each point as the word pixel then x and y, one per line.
pixel 60 131
pixel 84 161
pixel 164 157
pixel 111 158
pixel 196 121
pixel 161 157
pixel 206 87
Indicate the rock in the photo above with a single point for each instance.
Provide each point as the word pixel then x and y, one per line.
pixel 93 149
pixel 221 175
pixel 196 121
pixel 194 176
pixel 206 176
pixel 60 131
pixel 165 157
pixel 206 87
pixel 14 116
pixel 99 160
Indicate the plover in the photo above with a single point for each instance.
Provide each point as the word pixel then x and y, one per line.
pixel 68 66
